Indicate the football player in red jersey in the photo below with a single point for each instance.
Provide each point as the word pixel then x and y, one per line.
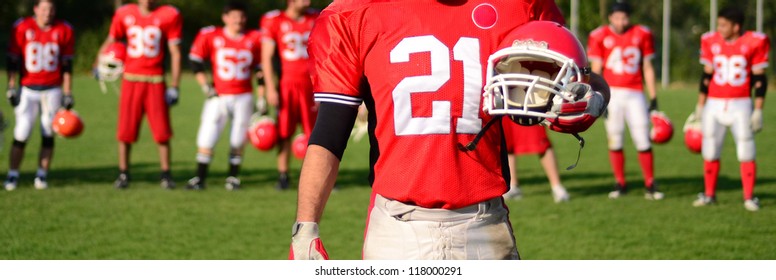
pixel 233 53
pixel 420 68
pixel 734 63
pixel 40 52
pixel 532 140
pixel 285 33
pixel 622 53
pixel 147 28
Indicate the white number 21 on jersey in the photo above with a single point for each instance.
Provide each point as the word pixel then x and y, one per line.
pixel 466 50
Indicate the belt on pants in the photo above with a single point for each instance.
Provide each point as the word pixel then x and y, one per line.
pixel 406 212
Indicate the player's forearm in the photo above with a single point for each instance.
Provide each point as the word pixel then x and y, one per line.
pixel 12 78
pixel 759 102
pixel 596 67
pixel 175 65
pixel 67 82
pixel 104 46
pixel 319 172
pixel 201 79
pixel 649 80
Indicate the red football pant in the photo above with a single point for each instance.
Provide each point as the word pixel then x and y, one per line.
pixel 524 140
pixel 138 98
pixel 296 105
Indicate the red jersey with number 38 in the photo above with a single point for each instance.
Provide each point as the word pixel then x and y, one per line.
pixel 290 36
pixel 232 59
pixel 425 64
pixel 41 51
pixel 147 36
pixel 621 55
pixel 733 62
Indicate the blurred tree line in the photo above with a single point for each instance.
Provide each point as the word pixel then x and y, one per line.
pixel 690 19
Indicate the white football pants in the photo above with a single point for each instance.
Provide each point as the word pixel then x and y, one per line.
pixel 720 113
pixel 627 105
pixel 32 102
pixel 397 231
pixel 215 113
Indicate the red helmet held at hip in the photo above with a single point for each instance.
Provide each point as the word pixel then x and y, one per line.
pixel 263 133
pixel 67 124
pixel 299 145
pixel 662 128
pixel 693 135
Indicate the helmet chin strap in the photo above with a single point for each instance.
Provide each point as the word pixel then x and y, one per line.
pixel 473 144
pixel 579 153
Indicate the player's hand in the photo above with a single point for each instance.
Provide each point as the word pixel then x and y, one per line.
pixel 14 96
pixel 272 97
pixel 695 117
pixel 305 243
pixel 208 91
pixel 577 115
pixel 67 101
pixel 96 73
pixel 261 106
pixel 653 105
pixel 171 96
pixel 757 120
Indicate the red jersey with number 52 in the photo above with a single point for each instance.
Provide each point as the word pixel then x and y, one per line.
pixel 290 36
pixel 621 55
pixel 733 62
pixel 41 51
pixel 147 36
pixel 232 59
pixel 425 64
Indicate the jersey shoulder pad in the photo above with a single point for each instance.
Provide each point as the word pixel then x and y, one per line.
pixel 708 35
pixel 19 22
pixel 207 30
pixel 644 29
pixel 170 9
pixel 598 31
pixel 126 8
pixel 272 14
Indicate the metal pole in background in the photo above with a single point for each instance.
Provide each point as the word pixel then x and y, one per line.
pixel 759 15
pixel 575 17
pixel 664 76
pixel 713 16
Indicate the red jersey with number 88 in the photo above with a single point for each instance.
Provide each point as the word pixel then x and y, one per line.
pixel 622 55
pixel 426 73
pixel 41 51
pixel 232 59
pixel 733 62
pixel 290 36
pixel 147 36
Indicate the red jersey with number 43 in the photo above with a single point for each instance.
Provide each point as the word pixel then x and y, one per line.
pixel 147 36
pixel 41 51
pixel 621 55
pixel 232 59
pixel 290 36
pixel 733 62
pixel 425 65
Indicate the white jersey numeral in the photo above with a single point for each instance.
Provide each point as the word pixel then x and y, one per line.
pixel 296 45
pixel 144 41
pixel 466 50
pixel 624 61
pixel 233 64
pixel 730 70
pixel 41 57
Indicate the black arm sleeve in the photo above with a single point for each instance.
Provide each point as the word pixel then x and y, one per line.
pixel 197 66
pixel 67 65
pixel 705 80
pixel 333 126
pixel 760 91
pixel 12 64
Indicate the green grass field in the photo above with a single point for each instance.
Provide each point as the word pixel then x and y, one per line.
pixel 81 216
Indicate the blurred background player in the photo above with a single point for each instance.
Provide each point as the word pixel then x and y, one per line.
pixel 148 30
pixel 734 62
pixel 531 140
pixel 623 54
pixel 285 33
pixel 233 53
pixel 40 52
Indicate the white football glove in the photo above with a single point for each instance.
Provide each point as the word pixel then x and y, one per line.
pixel 577 115
pixel 306 243
pixel 208 91
pixel 171 96
pixel 261 106
pixel 757 120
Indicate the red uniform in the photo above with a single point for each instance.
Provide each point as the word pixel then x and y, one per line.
pixel 621 54
pixel 525 140
pixel 41 51
pixel 231 58
pixel 296 100
pixel 733 62
pixel 142 90
pixel 426 95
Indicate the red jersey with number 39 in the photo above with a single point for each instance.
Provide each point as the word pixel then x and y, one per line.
pixel 733 62
pixel 147 36
pixel 425 64
pixel 621 55
pixel 290 36
pixel 232 59
pixel 41 51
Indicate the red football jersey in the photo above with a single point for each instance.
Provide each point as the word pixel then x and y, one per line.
pixel 41 51
pixel 425 65
pixel 232 59
pixel 290 36
pixel 147 36
pixel 733 62
pixel 621 55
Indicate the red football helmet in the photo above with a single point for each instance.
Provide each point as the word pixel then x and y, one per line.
pixel 263 133
pixel 299 145
pixel 693 136
pixel 662 129
pixel 67 124
pixel 533 69
pixel 110 63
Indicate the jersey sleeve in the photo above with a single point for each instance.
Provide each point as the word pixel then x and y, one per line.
pixel 69 42
pixel 117 30
pixel 337 69
pixel 256 50
pixel 648 44
pixel 706 55
pixel 594 50
pixel 760 54
pixel 547 10
pixel 267 27
pixel 175 28
pixel 200 49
